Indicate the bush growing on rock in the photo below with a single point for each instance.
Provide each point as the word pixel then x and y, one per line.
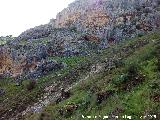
pixel 119 79
pixel 155 85
pixel 101 96
pixel 132 70
pixel 31 85
pixel 64 95
pixel 44 116
pixel 68 109
pixel 130 78
pixel 155 88
pixel 157 54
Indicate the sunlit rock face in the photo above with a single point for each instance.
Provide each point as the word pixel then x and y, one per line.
pixel 110 18
pixel 75 30
pixel 105 19
pixel 37 32
pixel 5 60
pixel 9 66
pixel 28 66
pixel 87 12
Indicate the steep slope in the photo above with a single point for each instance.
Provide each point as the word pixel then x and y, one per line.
pixel 85 63
pixel 130 88
pixel 86 26
pixel 36 32
pixel 110 18
pixel 111 66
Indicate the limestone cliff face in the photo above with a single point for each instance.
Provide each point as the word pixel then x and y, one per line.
pixel 5 61
pixel 110 18
pixel 105 19
pixel 78 27
pixel 88 12
pixel 10 66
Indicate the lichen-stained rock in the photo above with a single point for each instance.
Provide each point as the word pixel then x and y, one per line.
pixel 92 38
pixel 36 32
pixel 44 68
pixel 110 18
pixel 8 65
pixel 5 60
pixel 83 26
pixel 64 41
pixel 97 19
pixel 33 64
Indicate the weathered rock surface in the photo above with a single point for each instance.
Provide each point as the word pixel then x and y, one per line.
pixel 110 18
pixel 36 32
pixel 82 26
pixel 5 60
pixel 21 65
pixel 66 42
pixel 44 68
pixel 104 21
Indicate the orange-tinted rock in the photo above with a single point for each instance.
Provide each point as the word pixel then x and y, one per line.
pixel 91 38
pixel 5 61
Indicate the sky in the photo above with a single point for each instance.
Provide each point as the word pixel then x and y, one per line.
pixel 18 15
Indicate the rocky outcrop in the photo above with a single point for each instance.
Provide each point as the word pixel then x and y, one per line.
pixel 5 60
pixel 45 68
pixel 5 39
pixel 82 26
pixel 24 65
pixel 106 19
pixel 64 41
pixel 99 21
pixel 110 18
pixel 36 32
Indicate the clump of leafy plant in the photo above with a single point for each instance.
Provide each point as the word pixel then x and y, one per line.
pixel 31 85
pixel 130 78
pixel 155 90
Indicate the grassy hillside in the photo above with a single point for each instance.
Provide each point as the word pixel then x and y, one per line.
pixel 129 87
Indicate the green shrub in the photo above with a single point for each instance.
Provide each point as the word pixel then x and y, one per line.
pixel 156 53
pixel 44 116
pixel 140 35
pixel 119 79
pixel 130 78
pixel 132 70
pixel 31 85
